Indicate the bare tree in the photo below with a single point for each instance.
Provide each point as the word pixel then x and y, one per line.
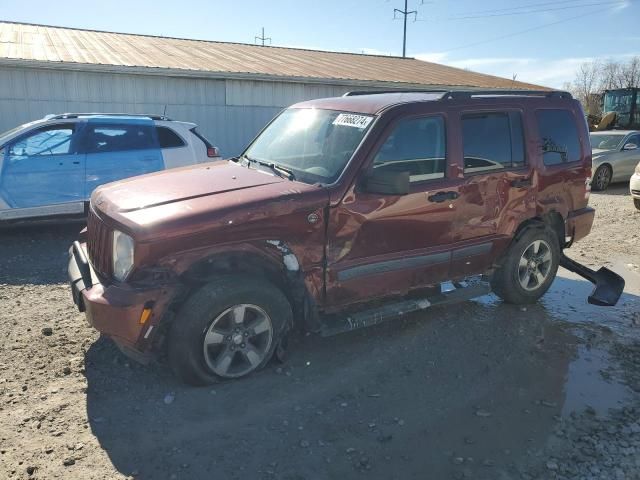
pixel 610 75
pixel 630 73
pixel 593 78
pixel 586 85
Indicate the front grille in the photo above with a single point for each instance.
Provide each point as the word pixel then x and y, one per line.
pixel 99 240
pixel 635 192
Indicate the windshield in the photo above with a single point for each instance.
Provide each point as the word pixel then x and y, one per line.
pixel 4 136
pixel 606 142
pixel 619 102
pixel 314 144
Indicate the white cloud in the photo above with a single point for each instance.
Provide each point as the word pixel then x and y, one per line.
pixel 435 57
pixel 621 6
pixel 551 73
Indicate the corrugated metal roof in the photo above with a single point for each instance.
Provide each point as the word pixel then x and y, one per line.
pixel 39 43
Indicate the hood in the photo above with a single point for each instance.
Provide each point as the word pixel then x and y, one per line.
pixel 202 198
pixel 177 185
pixel 599 151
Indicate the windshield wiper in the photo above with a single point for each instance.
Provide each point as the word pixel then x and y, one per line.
pixel 284 171
pixel 279 170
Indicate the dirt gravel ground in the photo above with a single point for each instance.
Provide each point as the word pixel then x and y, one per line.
pixel 481 390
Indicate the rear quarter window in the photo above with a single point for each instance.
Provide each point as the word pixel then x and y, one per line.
pixel 102 138
pixel 167 138
pixel 492 141
pixel 559 136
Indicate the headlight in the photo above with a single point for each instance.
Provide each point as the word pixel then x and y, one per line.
pixel 122 255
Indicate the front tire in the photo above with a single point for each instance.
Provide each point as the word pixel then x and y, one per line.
pixel 636 202
pixel 602 178
pixel 528 268
pixel 227 329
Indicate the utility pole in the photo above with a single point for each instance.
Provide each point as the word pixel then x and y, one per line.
pixel 262 38
pixel 405 13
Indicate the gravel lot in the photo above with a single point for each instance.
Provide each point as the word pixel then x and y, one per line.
pixel 481 390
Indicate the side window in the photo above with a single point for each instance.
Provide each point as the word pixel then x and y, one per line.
pixel 635 139
pixel 417 146
pixel 559 136
pixel 118 138
pixel 492 141
pixel 167 138
pixel 55 140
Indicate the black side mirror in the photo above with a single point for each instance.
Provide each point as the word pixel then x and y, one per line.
pixel 386 182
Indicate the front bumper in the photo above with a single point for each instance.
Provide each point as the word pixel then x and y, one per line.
pixel 115 310
pixel 634 185
pixel 579 222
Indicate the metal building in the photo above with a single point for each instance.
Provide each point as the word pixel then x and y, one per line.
pixel 230 90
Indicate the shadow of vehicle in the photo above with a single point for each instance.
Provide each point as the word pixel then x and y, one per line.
pixel 36 254
pixel 394 401
pixel 618 188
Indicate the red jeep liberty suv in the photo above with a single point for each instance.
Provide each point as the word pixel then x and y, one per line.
pixel 342 213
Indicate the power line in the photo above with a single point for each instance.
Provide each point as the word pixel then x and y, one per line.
pixel 521 32
pixel 262 38
pixel 518 7
pixel 544 10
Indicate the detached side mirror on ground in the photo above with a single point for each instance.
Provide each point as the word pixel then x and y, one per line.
pixel 386 182
pixel 630 146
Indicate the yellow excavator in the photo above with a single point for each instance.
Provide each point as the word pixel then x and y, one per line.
pixel 620 110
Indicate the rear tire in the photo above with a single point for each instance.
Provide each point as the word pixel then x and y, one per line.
pixel 227 329
pixel 528 267
pixel 636 202
pixel 602 178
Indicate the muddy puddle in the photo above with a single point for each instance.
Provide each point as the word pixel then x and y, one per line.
pixel 589 385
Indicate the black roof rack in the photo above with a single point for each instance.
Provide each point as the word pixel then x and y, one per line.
pixel 382 92
pixel 519 93
pixel 454 94
pixel 99 114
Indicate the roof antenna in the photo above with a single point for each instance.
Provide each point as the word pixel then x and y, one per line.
pixel 164 113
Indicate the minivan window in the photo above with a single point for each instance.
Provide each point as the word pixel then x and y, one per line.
pixel 492 141
pixel 417 146
pixel 117 138
pixel 54 140
pixel 559 136
pixel 167 138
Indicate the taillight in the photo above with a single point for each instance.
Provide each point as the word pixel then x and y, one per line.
pixel 212 152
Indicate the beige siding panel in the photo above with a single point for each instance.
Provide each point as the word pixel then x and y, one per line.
pixel 28 94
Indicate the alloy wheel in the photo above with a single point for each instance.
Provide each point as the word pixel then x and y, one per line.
pixel 535 265
pixel 238 340
pixel 603 177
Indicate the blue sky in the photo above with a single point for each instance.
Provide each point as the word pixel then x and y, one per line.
pixel 561 34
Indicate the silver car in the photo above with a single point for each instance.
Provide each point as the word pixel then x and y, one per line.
pixel 615 155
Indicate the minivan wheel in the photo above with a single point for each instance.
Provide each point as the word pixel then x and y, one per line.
pixel 602 178
pixel 227 329
pixel 636 202
pixel 528 268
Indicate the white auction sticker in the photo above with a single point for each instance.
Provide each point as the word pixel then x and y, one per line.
pixel 353 120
